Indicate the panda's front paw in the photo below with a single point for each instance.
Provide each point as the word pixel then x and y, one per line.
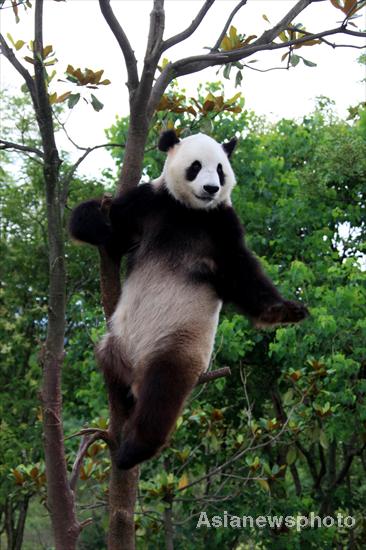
pixel 281 313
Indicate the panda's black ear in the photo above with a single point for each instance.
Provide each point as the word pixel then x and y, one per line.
pixel 167 140
pixel 230 146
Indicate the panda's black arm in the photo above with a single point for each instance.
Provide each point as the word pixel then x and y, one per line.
pixel 89 224
pixel 120 227
pixel 128 211
pixel 241 280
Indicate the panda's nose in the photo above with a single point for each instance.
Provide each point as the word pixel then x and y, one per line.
pixel 211 189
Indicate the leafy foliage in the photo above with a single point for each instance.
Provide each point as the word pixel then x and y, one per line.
pixel 285 433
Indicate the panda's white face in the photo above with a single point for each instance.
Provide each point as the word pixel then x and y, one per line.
pixel 198 173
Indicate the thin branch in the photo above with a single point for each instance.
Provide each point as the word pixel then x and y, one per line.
pixel 269 35
pixel 346 466
pixel 180 37
pixel 218 373
pixel 98 432
pixel 240 453
pixel 197 63
pixel 70 174
pixel 10 56
pixel 121 37
pixel 10 145
pixel 227 24
pixel 85 443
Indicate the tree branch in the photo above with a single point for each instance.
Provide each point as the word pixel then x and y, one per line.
pixel 10 145
pixel 98 433
pixel 346 466
pixel 227 24
pixel 83 448
pixel 197 63
pixel 10 56
pixel 156 30
pixel 268 36
pixel 70 174
pixel 180 37
pixel 121 37
pixel 218 373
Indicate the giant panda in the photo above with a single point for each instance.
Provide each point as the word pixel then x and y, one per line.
pixel 186 257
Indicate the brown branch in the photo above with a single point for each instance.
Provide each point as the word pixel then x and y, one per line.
pixel 269 35
pixel 227 24
pixel 121 37
pixel 197 63
pixel 180 37
pixel 24 148
pixel 98 433
pixel 10 56
pixel 346 466
pixel 70 174
pixel 156 30
pixel 83 448
pixel 209 376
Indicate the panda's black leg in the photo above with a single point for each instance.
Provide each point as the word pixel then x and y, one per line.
pixel 166 383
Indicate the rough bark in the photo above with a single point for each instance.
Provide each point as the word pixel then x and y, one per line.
pixel 60 498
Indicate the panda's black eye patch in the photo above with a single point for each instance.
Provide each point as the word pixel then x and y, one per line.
pixel 192 171
pixel 221 174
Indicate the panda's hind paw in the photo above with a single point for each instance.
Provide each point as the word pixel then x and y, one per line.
pixel 132 452
pixel 280 313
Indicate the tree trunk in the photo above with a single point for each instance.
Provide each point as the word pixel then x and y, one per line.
pixel 122 484
pixel 18 542
pixel 60 498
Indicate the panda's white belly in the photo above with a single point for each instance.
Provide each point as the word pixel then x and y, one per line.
pixel 160 310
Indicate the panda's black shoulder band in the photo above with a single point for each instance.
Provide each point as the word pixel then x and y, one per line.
pixel 167 140
pixel 230 146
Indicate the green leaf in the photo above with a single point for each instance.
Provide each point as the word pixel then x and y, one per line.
pixel 72 101
pixel 309 63
pixel 19 44
pixel 227 70
pixel 238 78
pixel 294 60
pixel 97 105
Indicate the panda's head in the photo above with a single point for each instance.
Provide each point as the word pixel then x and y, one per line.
pixel 197 171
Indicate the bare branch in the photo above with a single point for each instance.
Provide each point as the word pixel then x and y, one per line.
pixel 346 466
pixel 156 30
pixel 268 36
pixel 70 174
pixel 10 56
pixel 98 432
pixel 17 146
pixel 180 37
pixel 121 37
pixel 218 373
pixel 197 63
pixel 228 22
pixel 83 449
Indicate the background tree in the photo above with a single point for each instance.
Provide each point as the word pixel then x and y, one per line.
pixel 145 92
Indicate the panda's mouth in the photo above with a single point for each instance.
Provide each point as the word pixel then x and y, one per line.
pixel 204 198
